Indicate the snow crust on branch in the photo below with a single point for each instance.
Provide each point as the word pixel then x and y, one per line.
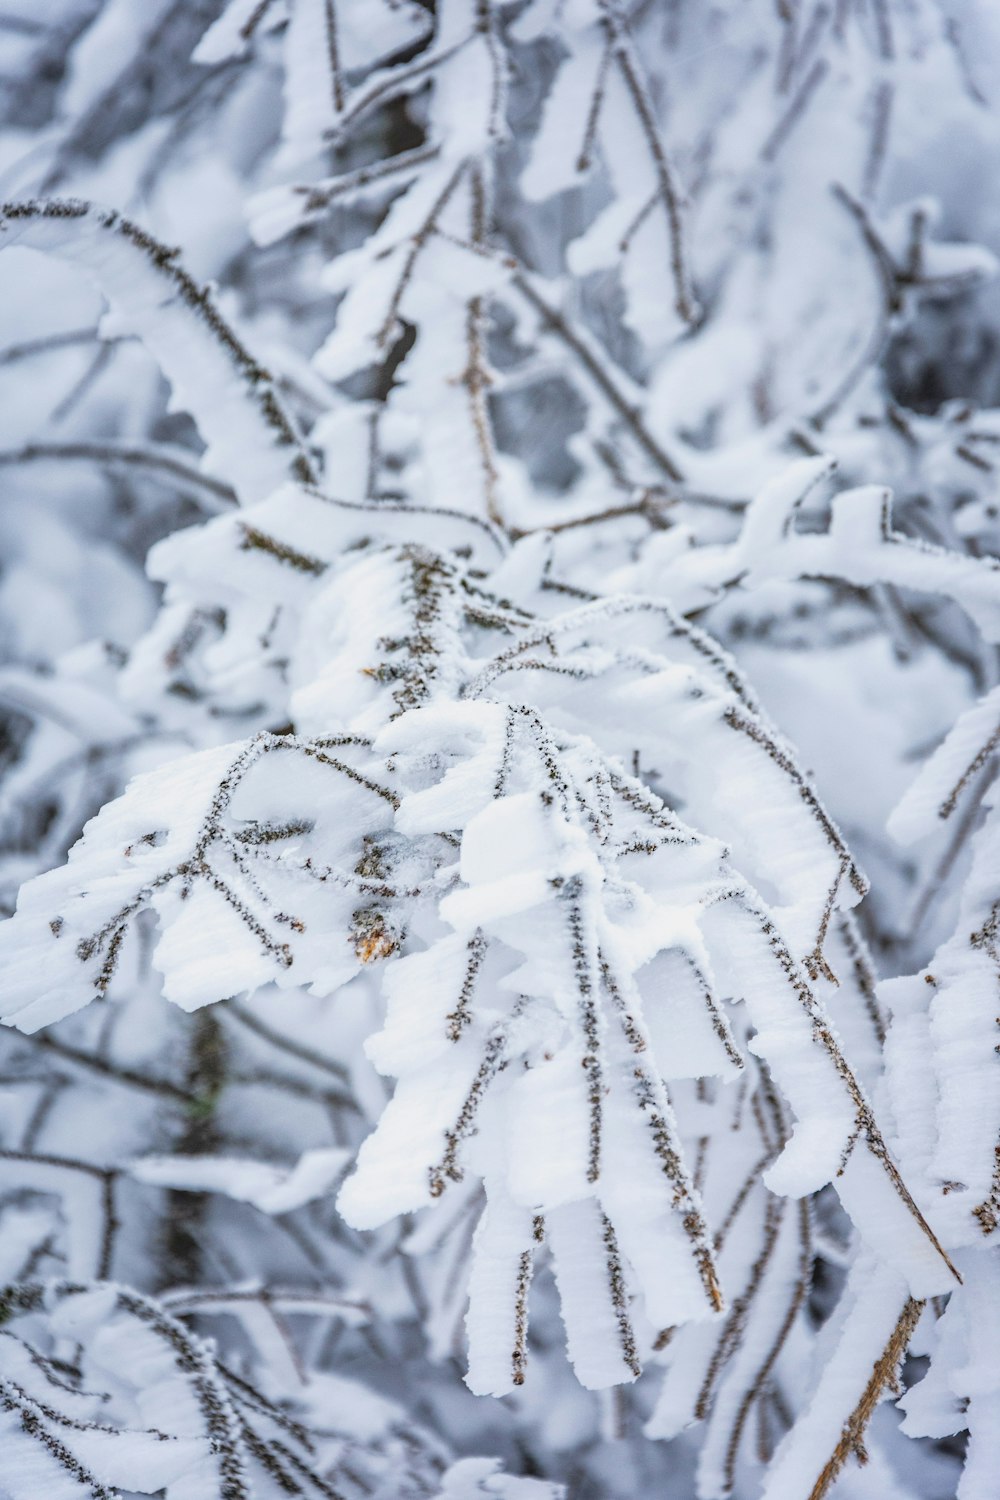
pixel 524 960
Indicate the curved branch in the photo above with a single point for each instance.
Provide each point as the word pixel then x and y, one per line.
pixel 233 399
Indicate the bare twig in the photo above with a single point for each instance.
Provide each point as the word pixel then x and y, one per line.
pixel 669 190
pixel 125 455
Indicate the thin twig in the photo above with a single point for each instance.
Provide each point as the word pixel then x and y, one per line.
pixel 669 191
pixel 129 455
pixel 557 323
pixel 883 1375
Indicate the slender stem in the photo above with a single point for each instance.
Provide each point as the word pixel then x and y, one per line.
pixel 557 323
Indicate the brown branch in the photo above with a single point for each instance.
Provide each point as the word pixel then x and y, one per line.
pixel 956 844
pixel 285 1043
pixel 333 54
pixel 593 112
pixel 476 376
pixel 125 454
pixel 883 1376
pixel 883 101
pixel 417 242
pixel 668 188
pixel 759 1386
pixel 254 19
pixel 797 107
pixel 127 1077
pixel 866 1126
pixel 321 194
pixel 556 322
pixel 649 508
pixel 47 344
pixel 106 1177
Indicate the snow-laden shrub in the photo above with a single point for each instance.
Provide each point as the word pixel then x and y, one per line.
pixel 570 546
